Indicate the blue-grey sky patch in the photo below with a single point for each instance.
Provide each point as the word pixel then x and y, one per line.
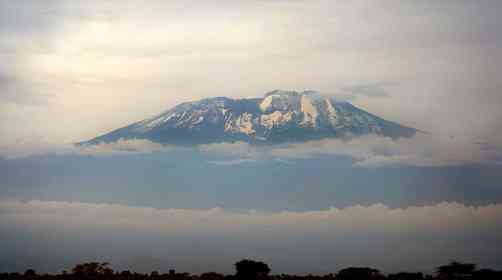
pixel 188 179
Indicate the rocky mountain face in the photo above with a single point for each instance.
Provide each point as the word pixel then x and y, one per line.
pixel 280 116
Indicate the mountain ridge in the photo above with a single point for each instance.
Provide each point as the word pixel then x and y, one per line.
pixel 279 116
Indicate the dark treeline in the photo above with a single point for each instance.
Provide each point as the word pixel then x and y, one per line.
pixel 256 270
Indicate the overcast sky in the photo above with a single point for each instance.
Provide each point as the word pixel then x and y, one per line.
pixel 72 70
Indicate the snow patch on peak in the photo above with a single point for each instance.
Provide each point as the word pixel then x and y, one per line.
pixel 274 102
pixel 157 121
pixel 265 104
pixel 241 124
pixel 309 110
pixel 246 124
pixel 275 118
pixel 332 113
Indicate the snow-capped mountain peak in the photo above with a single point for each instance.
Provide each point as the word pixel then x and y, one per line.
pixel 280 116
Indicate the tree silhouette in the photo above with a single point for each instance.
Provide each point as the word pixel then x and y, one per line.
pixel 30 273
pixel 92 269
pixel 251 270
pixel 359 273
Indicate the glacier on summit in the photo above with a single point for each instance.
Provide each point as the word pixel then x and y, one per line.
pixel 280 116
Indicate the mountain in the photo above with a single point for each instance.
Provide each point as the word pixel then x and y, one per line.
pixel 280 116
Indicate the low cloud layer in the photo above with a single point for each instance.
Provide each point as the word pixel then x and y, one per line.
pixel 366 151
pixel 352 235
pixel 120 147
pixel 372 151
pixel 421 150
pixel 440 218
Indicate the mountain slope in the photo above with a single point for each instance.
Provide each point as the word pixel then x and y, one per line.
pixel 280 116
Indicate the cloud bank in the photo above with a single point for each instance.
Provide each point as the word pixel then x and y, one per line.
pixel 367 151
pixel 374 151
pixel 339 236
pixel 442 217
pixel 370 151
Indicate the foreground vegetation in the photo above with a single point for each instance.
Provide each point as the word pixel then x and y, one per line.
pixel 255 270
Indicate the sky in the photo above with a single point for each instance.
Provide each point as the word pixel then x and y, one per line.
pixel 72 70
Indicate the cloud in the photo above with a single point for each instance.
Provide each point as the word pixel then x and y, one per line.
pixel 125 146
pixel 366 151
pixel 373 151
pixel 442 217
pixel 419 236
pixel 236 149
pixel 120 147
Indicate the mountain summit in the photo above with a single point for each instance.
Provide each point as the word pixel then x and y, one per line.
pixel 280 116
